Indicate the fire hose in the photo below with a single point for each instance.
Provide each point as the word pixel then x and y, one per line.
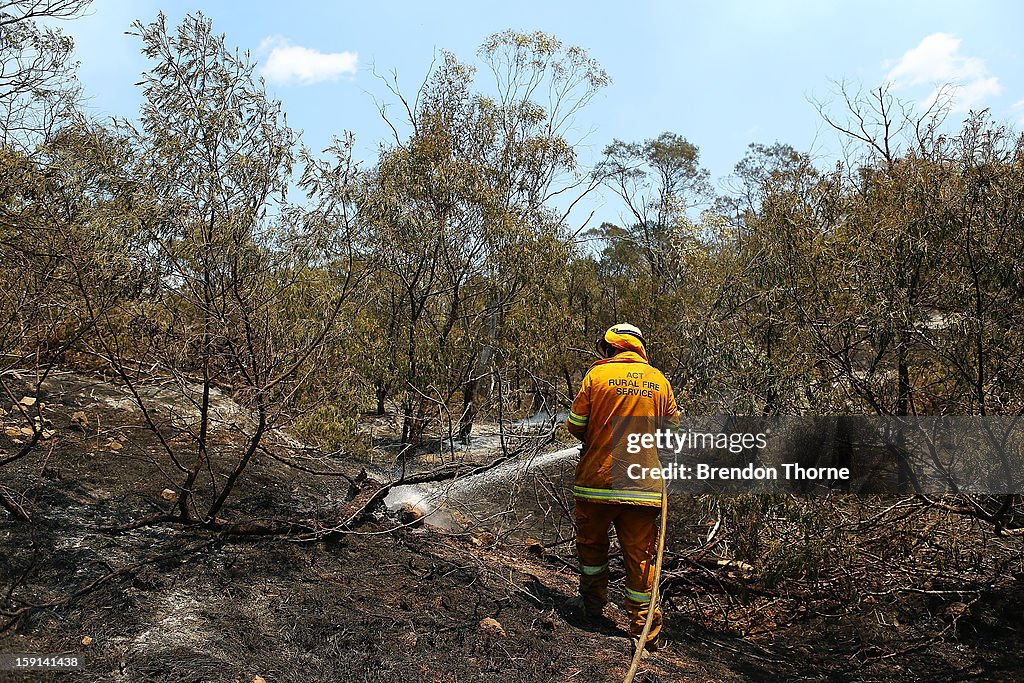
pixel 642 642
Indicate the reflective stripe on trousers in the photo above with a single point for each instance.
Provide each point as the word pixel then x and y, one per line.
pixel 636 527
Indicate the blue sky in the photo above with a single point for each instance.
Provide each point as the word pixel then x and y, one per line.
pixel 722 74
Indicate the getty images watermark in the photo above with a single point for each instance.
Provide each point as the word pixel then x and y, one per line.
pixel 676 441
pixel 856 454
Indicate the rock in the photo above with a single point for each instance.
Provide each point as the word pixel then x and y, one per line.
pixel 169 495
pixel 956 611
pixel 410 515
pixel 736 564
pixel 484 539
pixel 492 627
pixel 80 421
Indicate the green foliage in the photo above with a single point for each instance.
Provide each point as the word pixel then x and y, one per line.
pixel 39 92
pixel 332 423
pixel 785 537
pixel 461 233
pixel 446 270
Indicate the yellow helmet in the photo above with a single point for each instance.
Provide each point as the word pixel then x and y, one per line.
pixel 626 337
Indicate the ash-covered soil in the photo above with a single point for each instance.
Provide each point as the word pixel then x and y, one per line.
pixel 480 602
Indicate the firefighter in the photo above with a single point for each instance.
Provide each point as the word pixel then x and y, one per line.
pixel 621 393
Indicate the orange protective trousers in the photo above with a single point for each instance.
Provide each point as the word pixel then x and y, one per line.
pixel 636 528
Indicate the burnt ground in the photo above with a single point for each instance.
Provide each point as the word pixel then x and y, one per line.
pixel 380 603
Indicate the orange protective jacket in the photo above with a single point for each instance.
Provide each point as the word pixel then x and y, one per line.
pixel 620 395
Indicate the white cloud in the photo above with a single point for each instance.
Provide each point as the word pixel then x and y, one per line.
pixel 1018 109
pixel 289 63
pixel 937 61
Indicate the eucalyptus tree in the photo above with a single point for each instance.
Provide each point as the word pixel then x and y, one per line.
pixel 38 89
pixel 782 219
pixel 227 258
pixel 926 264
pixel 979 305
pixel 38 93
pixel 466 222
pixel 66 251
pixel 659 182
pixel 890 248
pixel 969 352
